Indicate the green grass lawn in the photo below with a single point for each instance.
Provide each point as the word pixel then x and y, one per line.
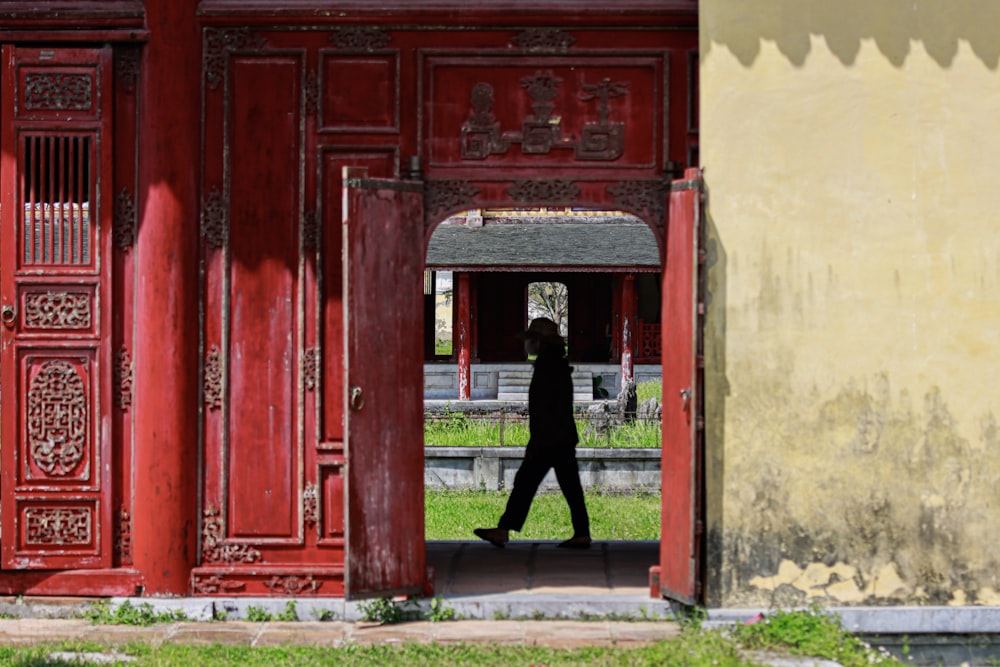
pixel 452 515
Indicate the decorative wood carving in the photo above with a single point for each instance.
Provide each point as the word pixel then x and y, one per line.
pixel 125 220
pixel 541 191
pixel 57 310
pixel 213 378
pixel 214 548
pixel 57 418
pixel 214 219
pixel 123 536
pixel 310 504
pixel 123 376
pixel 127 67
pixel 293 584
pixel 58 91
pixel 310 231
pixel 219 44
pixel 540 132
pixel 449 195
pixel 543 40
pixel 57 525
pixel 215 584
pixel 311 93
pixel 361 39
pixel 310 368
pixel 645 197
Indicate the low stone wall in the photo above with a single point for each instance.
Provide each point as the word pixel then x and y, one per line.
pixel 493 468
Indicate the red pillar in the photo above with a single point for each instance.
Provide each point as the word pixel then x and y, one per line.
pixel 164 523
pixel 630 307
pixel 463 334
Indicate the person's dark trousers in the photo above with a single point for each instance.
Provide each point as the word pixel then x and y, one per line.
pixel 530 475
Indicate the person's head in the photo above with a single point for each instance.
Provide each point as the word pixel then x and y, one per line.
pixel 542 333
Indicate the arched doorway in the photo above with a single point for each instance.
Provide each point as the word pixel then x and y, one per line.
pixel 316 494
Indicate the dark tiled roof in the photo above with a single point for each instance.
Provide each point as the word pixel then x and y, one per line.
pixel 551 244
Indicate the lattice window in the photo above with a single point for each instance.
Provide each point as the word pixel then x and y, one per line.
pixel 650 341
pixel 57 188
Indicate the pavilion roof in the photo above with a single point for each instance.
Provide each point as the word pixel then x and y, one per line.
pixel 609 244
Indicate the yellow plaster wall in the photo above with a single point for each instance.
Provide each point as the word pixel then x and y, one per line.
pixel 852 158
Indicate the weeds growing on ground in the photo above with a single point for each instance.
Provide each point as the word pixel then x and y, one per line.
pixel 103 613
pixel 813 633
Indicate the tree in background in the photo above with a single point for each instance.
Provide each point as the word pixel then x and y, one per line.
pixel 550 300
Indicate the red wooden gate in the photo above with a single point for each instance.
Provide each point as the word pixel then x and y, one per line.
pixel 383 252
pixel 312 483
pixel 681 462
pixel 55 309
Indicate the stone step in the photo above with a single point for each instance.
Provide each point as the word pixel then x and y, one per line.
pixel 513 385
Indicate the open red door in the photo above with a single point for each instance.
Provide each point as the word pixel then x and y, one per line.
pixel 681 461
pixel 383 360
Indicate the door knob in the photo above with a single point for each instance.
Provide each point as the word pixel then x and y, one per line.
pixel 357 400
pixel 8 315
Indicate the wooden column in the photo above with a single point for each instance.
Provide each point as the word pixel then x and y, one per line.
pixel 463 334
pixel 165 522
pixel 629 312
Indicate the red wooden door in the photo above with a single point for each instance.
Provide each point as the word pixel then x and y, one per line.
pixel 681 463
pixel 383 340
pixel 55 309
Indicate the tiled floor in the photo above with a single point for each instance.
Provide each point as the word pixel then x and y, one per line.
pixel 540 568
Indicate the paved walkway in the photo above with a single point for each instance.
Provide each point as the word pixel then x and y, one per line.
pixel 529 593
pixel 537 579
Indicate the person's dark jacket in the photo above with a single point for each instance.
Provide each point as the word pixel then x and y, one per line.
pixel 550 403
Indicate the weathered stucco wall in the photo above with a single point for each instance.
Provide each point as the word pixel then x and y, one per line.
pixel 852 157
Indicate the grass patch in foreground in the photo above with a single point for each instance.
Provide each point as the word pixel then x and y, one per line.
pixel 810 633
pixel 452 515
pixel 800 633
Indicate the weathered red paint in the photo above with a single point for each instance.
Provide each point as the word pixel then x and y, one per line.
pixel 164 523
pixel 681 394
pixel 463 323
pixel 628 319
pixel 55 285
pixel 266 117
pixel 384 414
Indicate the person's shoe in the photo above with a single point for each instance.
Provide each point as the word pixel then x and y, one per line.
pixel 498 537
pixel 580 542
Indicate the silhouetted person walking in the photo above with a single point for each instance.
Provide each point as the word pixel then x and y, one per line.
pixel 552 440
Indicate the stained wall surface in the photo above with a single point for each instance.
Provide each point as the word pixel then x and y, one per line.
pixel 852 161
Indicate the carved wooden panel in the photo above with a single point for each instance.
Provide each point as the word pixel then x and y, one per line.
pixel 58 309
pixel 545 111
pixel 56 363
pixel 54 90
pixel 57 440
pixel 57 527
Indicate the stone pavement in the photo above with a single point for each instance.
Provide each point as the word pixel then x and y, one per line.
pixel 560 634
pixel 529 593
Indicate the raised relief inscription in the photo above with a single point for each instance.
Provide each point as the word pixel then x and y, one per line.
pixel 541 131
